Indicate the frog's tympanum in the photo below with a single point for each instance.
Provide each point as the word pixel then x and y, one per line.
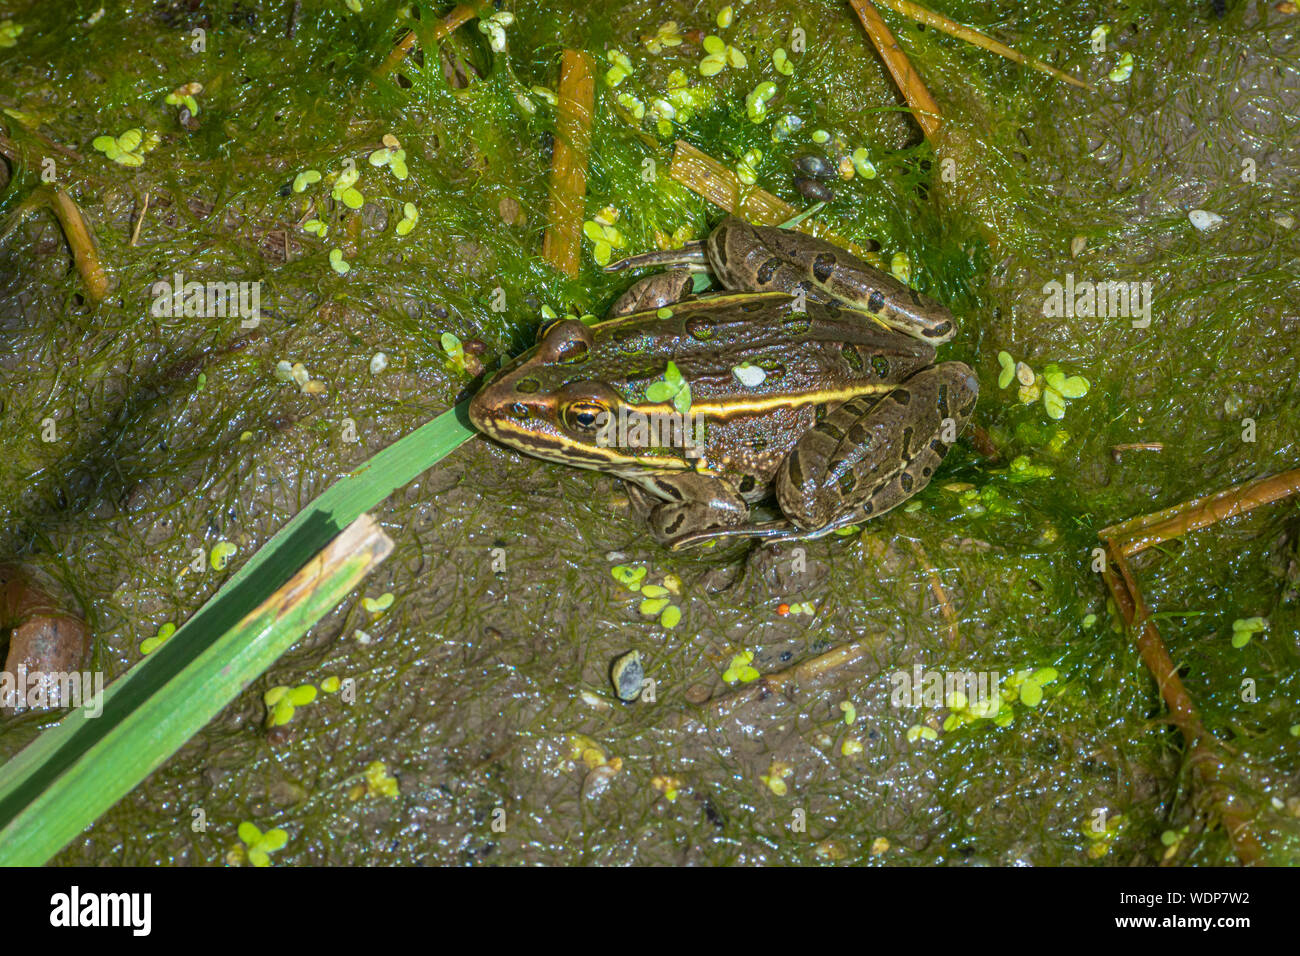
pixel 809 381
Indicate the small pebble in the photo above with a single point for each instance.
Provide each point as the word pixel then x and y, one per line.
pixel 815 167
pixel 812 190
pixel 1204 220
pixel 627 674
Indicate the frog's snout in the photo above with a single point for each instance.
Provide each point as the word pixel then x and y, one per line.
pixel 480 410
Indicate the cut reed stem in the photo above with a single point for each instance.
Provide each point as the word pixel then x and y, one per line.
pixel 923 106
pixel 561 247
pixel 706 177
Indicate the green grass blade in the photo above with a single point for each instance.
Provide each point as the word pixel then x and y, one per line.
pixel 213 637
pixel 133 742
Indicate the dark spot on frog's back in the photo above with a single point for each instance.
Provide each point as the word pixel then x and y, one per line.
pixel 939 331
pixel 876 302
pixel 700 327
pixel 767 270
pixel 823 266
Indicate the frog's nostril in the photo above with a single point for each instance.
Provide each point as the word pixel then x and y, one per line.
pixel 480 410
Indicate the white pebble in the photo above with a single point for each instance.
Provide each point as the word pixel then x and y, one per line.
pixel 1203 220
pixel 378 362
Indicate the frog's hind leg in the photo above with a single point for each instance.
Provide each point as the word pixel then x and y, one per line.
pixel 871 454
pixel 749 258
pixel 653 292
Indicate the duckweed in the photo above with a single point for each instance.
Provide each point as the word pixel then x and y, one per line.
pixel 776 776
pixel 282 702
pixel 258 845
pixel 377 606
pixel 672 388
pixel 151 644
pixel 221 553
pixel 1244 629
pixel 741 669
pixel 1123 70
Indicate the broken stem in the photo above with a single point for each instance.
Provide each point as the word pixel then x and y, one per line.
pixel 84 255
pixel 459 15
pixel 568 186
pixel 1137 534
pixel 706 177
pixel 1155 656
pixel 818 666
pixel 923 106
pixel 981 40
pixel 936 587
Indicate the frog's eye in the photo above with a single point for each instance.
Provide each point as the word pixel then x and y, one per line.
pixel 585 415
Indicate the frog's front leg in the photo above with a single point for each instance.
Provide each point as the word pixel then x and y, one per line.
pixel 871 454
pixel 684 505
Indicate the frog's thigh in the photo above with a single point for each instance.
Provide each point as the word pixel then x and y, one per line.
pixel 687 504
pixel 871 453
pixel 653 292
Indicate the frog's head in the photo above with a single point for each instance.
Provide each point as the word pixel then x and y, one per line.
pixel 543 404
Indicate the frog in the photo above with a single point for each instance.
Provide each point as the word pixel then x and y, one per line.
pixel 800 398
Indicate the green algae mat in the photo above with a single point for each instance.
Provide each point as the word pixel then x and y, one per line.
pixel 249 246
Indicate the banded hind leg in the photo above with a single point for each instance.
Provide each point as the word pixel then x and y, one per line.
pixel 873 453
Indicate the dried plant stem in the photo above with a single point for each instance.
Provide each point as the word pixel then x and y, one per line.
pixel 819 666
pixel 459 16
pixel 971 35
pixel 1131 537
pixel 1138 534
pixel 705 176
pixel 144 208
pixel 924 108
pixel 1201 746
pixel 936 587
pixel 561 246
pixel 82 244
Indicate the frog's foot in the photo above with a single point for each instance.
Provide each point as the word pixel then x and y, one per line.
pixel 691 255
pixel 691 505
pixel 653 292
pixel 872 454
